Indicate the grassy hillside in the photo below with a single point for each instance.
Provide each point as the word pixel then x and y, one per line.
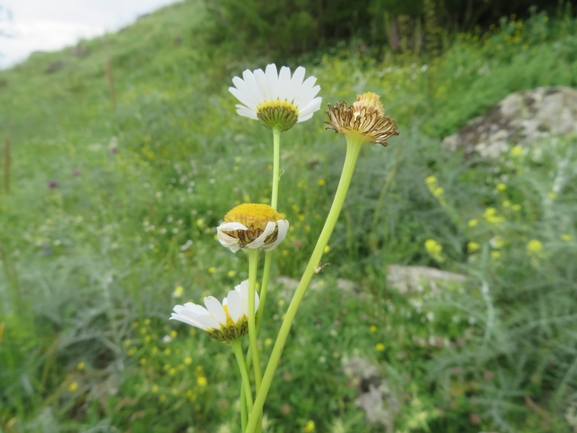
pixel 120 173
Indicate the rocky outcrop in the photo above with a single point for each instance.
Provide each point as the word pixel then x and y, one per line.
pixel 420 279
pixel 524 118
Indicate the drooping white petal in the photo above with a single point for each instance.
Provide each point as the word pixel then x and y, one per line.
pixel 225 239
pixel 304 90
pixel 247 112
pixel 283 227
pixel 209 322
pixel 228 241
pixel 310 109
pixel 234 304
pixel 252 99
pixel 186 320
pixel 252 85
pixel 243 96
pixel 186 314
pixel 194 315
pixel 232 226
pixel 259 242
pixel 272 81
pixel 215 309
pixel 306 99
pixel 195 309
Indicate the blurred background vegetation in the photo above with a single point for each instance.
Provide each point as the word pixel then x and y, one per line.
pixel 121 154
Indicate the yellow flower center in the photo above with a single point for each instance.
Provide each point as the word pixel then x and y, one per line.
pixel 277 114
pixel 253 215
pixel 278 104
pixel 370 101
pixel 229 321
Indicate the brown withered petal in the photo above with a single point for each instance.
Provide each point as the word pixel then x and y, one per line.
pixel 364 120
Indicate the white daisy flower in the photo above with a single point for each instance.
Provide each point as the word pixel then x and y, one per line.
pixel 224 322
pixel 253 226
pixel 277 100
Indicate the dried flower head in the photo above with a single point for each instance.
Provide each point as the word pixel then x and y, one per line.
pixel 253 226
pixel 365 120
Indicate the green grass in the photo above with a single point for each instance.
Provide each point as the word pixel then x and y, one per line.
pixel 90 267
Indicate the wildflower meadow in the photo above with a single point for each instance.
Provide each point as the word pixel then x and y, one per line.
pixel 198 240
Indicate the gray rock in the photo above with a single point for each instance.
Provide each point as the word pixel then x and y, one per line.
pixel 524 118
pixel 289 286
pixel 375 397
pixel 418 279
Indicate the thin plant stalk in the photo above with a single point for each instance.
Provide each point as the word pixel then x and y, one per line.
pixel 275 167
pixel 263 287
pixel 252 274
pixel 246 405
pixel 268 254
pixel 352 155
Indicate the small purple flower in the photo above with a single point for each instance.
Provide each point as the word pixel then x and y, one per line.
pixel 52 184
pixel 75 172
pixel 114 150
pixel 47 251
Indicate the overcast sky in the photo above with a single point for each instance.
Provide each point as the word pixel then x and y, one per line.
pixel 45 25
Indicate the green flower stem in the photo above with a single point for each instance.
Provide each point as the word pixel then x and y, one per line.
pixel 246 405
pixel 275 167
pixel 252 274
pixel 353 150
pixel 243 411
pixel 259 313
pixel 263 287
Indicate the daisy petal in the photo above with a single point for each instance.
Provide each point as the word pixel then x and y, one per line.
pixel 232 226
pixel 306 99
pixel 242 289
pixel 247 112
pixel 209 322
pixel 252 85
pixel 242 87
pixel 259 242
pixel 215 309
pixel 272 81
pixel 228 241
pixel 307 112
pixel 243 97
pixel 186 320
pixel 284 81
pixel 304 90
pixel 260 79
pixel 283 227
pixel 296 81
pixel 234 305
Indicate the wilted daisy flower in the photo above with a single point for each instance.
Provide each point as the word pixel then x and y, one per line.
pixel 277 100
pixel 224 322
pixel 252 226
pixel 364 121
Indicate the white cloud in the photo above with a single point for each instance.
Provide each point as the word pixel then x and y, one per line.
pixel 40 25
